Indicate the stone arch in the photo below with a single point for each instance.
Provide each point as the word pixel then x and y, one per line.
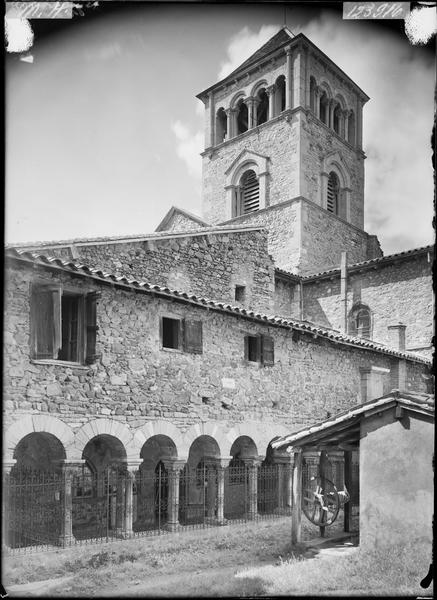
pixel 240 95
pixel 262 83
pixel 36 424
pixel 164 428
pixel 325 87
pixel 246 160
pixel 341 101
pixel 211 429
pixel 39 451
pixel 109 427
pixel 260 433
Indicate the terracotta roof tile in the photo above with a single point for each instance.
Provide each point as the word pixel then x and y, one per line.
pixel 302 326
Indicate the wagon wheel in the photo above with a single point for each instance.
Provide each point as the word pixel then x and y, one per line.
pixel 320 501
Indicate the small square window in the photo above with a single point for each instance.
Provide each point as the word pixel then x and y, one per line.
pixel 240 293
pixel 170 333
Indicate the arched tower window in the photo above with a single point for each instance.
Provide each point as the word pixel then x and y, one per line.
pixel 221 126
pixel 242 117
pixel 313 94
pixel 360 321
pixel 333 193
pixel 337 119
pixel 280 95
pixel 249 193
pixel 262 110
pixel 351 128
pixel 324 108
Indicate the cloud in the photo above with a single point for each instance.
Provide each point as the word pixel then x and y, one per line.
pixel 19 35
pixel 397 124
pixel 243 44
pixel 189 147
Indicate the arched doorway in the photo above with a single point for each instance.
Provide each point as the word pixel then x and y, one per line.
pixel 98 489
pixel 33 508
pixel 152 483
pixel 237 477
pixel 198 482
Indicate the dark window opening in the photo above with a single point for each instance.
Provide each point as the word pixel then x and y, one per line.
pixel 182 334
pixel 336 123
pixel 351 128
pixel 240 293
pixel 170 333
pixel 324 108
pixel 221 126
pixel 63 325
pixel 313 94
pixel 252 348
pixel 280 95
pixel 262 110
pixel 259 348
pixel 70 328
pixel 242 118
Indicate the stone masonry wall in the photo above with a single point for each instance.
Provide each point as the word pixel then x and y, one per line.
pixel 324 237
pixel 205 265
pixel 317 141
pixel 276 139
pixel 397 292
pixel 180 222
pixel 136 381
pixel 283 226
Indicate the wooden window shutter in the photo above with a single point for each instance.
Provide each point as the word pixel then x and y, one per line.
pixel 46 321
pixel 246 347
pixel 267 350
pixel 193 336
pixel 91 326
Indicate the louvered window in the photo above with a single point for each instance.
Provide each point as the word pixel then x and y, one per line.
pixel 333 192
pixel 249 192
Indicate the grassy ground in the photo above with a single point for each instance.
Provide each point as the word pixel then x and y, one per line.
pixel 395 571
pixel 205 562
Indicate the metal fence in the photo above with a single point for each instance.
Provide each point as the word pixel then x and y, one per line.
pixel 43 510
pixel 47 510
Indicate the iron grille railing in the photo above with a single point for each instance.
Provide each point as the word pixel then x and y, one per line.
pixel 48 510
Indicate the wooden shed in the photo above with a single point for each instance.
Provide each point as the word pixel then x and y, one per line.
pixel 394 437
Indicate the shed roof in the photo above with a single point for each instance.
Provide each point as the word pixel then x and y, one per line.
pixel 345 426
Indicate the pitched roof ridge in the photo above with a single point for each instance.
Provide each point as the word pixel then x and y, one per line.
pixel 154 235
pixel 370 261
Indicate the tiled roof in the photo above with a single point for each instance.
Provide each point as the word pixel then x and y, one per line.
pixel 423 403
pixel 281 38
pixel 372 263
pixel 121 281
pixel 136 238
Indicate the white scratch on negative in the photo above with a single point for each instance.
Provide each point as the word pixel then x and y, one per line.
pixel 19 35
pixel 421 24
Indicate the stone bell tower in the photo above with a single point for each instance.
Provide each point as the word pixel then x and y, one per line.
pixel 284 150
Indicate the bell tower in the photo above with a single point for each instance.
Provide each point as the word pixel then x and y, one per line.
pixel 283 139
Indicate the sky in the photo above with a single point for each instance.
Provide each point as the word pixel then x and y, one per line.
pixel 103 130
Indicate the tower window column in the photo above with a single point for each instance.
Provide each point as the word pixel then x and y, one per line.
pixel 289 79
pixel 270 91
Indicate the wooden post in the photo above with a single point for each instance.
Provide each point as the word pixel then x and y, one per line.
pixel 348 484
pixel 296 514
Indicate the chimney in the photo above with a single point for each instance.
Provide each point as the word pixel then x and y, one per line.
pixel 396 336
